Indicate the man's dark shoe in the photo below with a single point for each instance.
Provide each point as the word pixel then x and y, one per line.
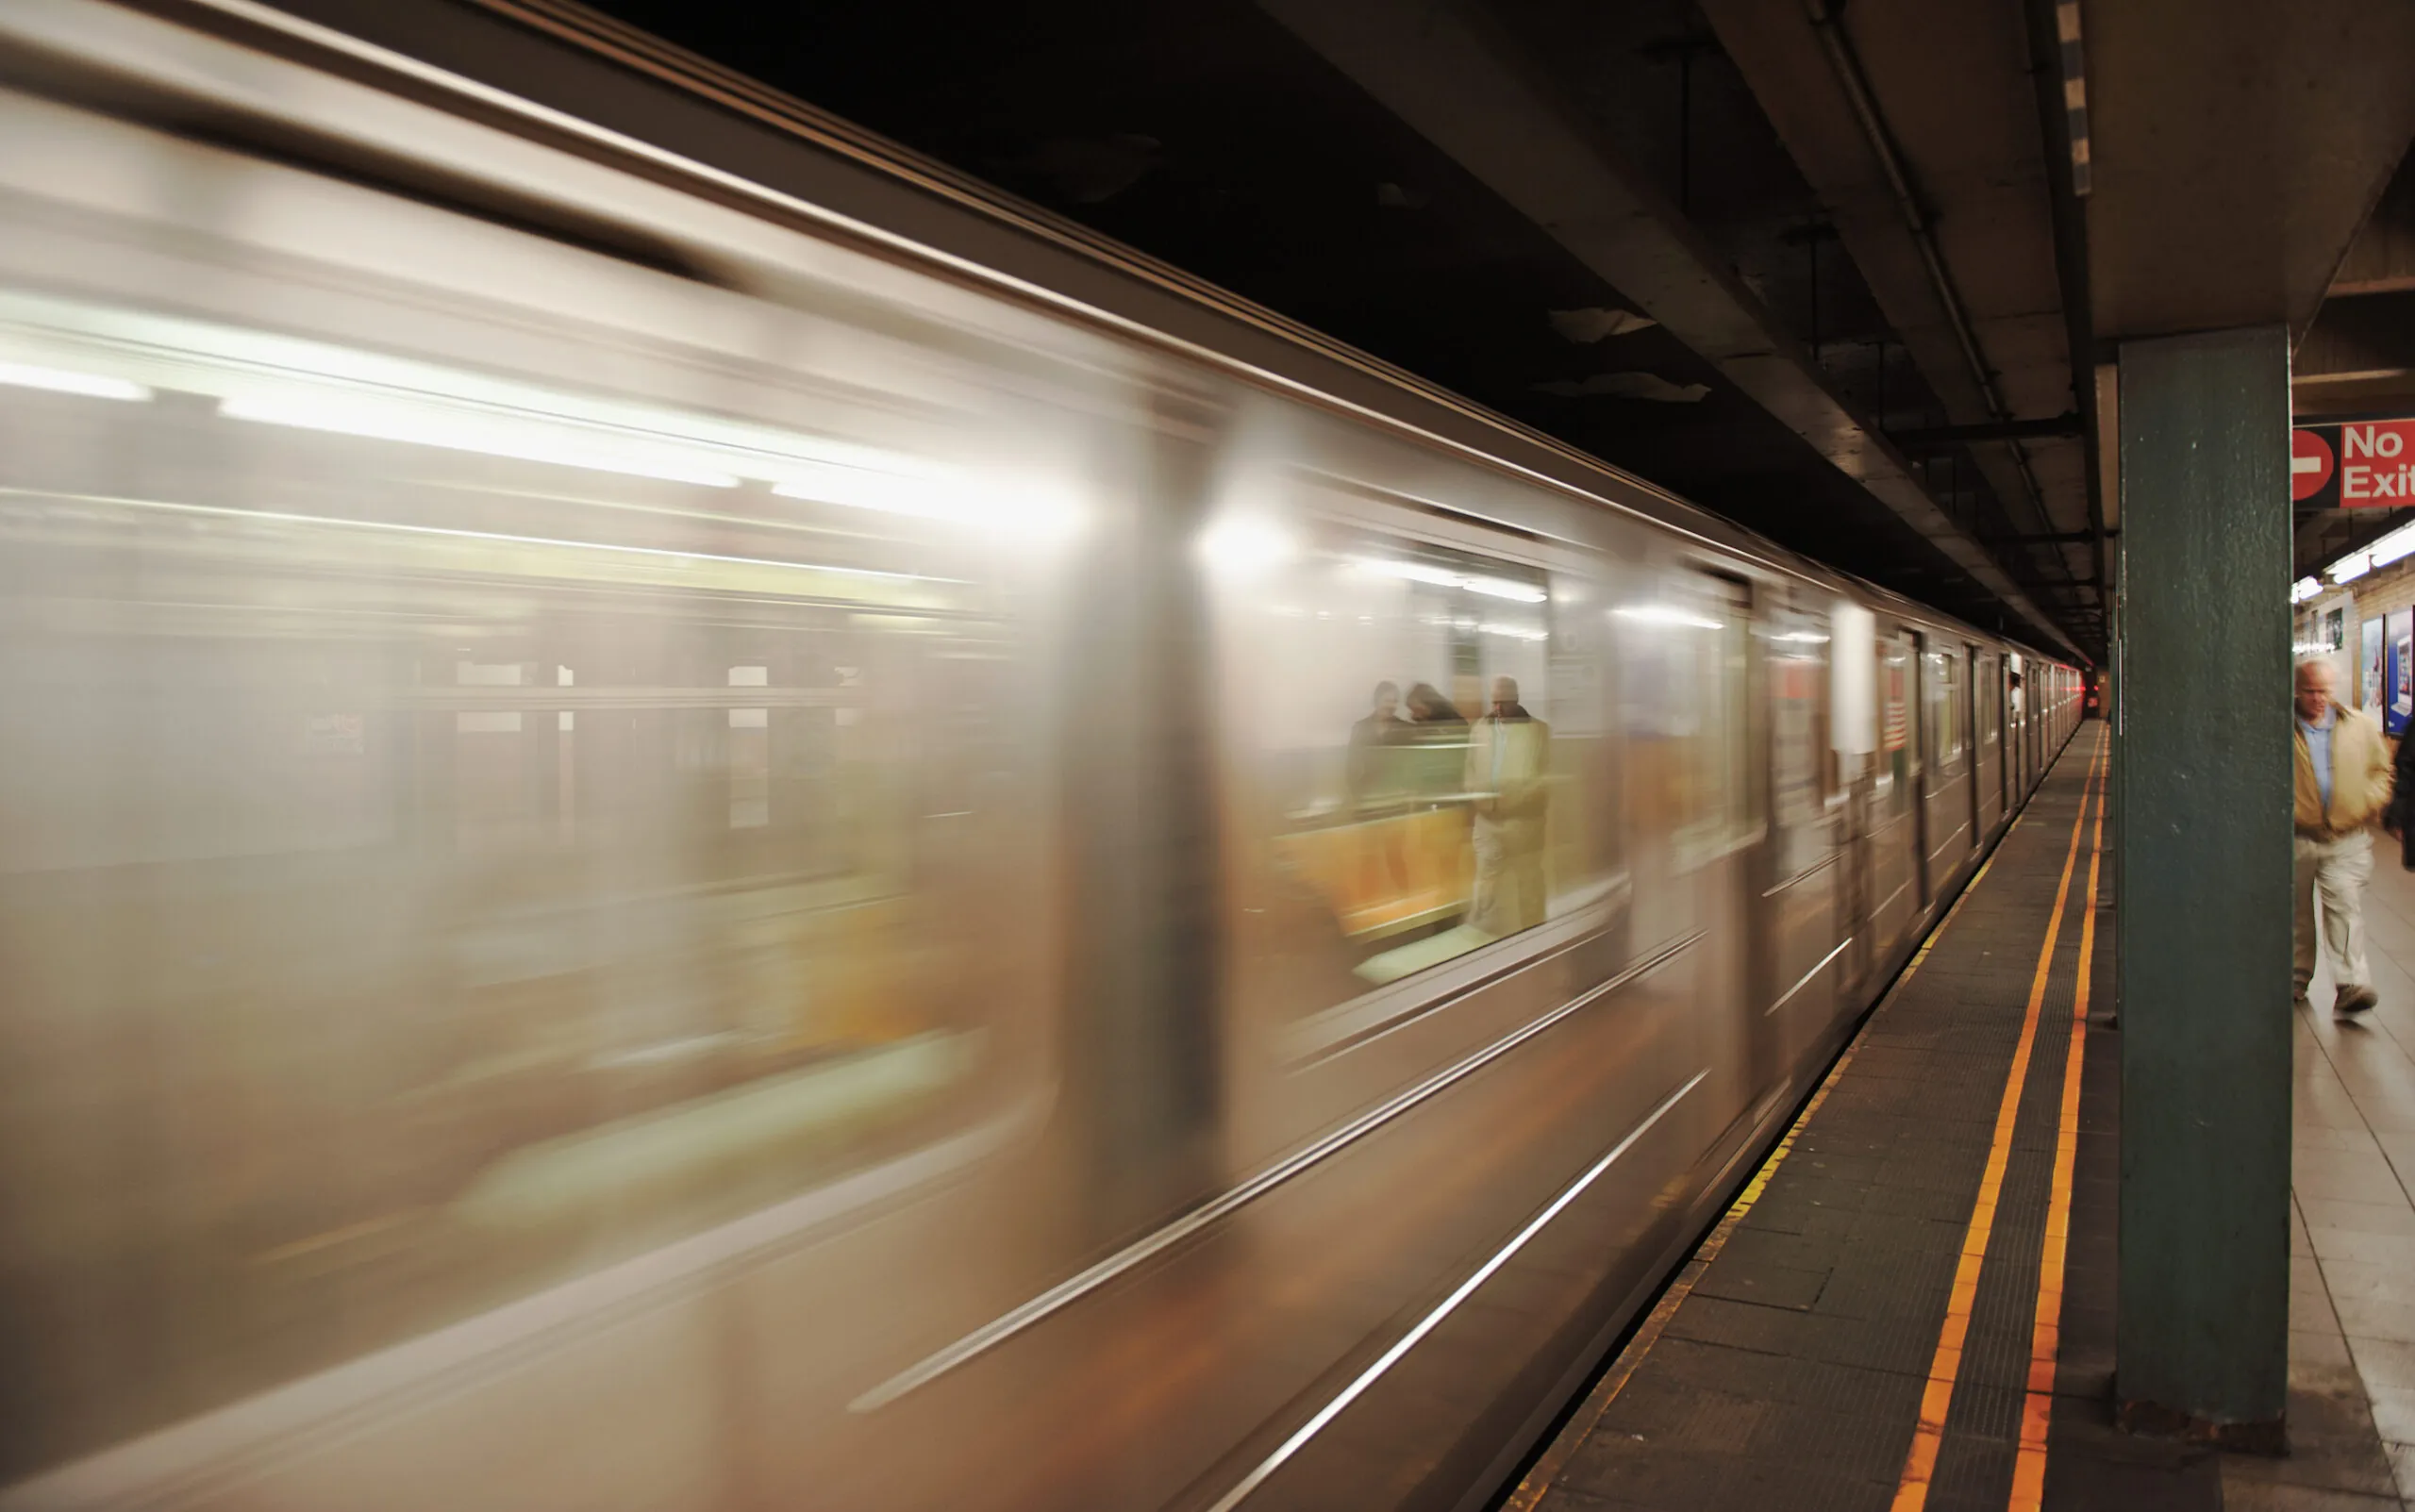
pixel 2353 1000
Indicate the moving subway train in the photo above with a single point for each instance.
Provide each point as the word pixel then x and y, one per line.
pixel 704 820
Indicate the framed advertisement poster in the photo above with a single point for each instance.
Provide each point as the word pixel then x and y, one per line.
pixel 2398 672
pixel 2369 686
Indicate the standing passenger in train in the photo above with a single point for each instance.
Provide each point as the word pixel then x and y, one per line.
pixel 1367 771
pixel 1509 759
pixel 2342 790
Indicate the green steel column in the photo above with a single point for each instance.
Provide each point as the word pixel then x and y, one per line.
pixel 2202 1343
pixel 2110 686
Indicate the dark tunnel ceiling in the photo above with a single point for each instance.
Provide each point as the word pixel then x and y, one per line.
pixel 1202 132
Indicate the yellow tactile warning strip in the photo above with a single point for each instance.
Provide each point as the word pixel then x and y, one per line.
pixel 1799 1353
pixel 2045 1339
pixel 1546 1469
pixel 1920 1464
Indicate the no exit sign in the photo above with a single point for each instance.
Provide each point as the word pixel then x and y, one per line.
pixel 2354 464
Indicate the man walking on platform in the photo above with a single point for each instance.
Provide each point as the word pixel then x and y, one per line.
pixel 2342 788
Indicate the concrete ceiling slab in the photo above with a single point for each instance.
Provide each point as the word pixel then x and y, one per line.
pixel 2237 147
pixel 1467 88
pixel 1950 83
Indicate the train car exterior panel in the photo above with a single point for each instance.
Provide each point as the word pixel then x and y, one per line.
pixel 668 844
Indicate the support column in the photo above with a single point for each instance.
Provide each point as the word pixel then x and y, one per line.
pixel 2115 681
pixel 2202 1345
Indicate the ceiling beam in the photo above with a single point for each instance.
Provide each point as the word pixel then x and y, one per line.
pixel 1995 430
pixel 1452 77
pixel 2056 65
pixel 2237 150
pixel 1842 115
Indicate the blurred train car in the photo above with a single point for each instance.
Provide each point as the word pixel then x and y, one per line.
pixel 691 816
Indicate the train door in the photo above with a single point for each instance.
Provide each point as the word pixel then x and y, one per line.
pixel 1892 831
pixel 2009 758
pixel 2034 705
pixel 1723 846
pixel 1967 714
pixel 1986 693
pixel 1945 763
pixel 1798 923
pixel 2032 726
pixel 2041 742
pixel 2017 726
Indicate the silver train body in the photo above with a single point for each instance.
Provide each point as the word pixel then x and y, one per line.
pixel 692 819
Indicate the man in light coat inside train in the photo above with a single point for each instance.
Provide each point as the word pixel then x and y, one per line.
pixel 1508 761
pixel 2342 788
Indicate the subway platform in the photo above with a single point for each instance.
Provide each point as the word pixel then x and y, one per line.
pixel 1911 1303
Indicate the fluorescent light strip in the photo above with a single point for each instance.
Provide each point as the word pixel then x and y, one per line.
pixel 956 501
pixel 277 516
pixel 1414 572
pixel 1498 588
pixel 269 372
pixel 568 442
pixel 490 436
pixel 61 380
pixel 1665 614
pixel 2348 569
pixel 2391 547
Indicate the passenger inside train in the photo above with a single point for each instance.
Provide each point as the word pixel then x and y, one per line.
pixel 1417 840
pixel 695 857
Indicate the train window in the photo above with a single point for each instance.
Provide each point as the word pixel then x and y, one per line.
pixel 456 831
pixel 1421 764
pixel 1686 687
pixel 1957 709
pixel 1894 782
pixel 1798 683
pixel 1941 710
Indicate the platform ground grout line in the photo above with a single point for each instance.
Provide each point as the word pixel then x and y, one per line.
pixel 1789 1368
pixel 1538 1480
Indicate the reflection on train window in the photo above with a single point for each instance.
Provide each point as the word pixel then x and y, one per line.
pixel 1682 651
pixel 469 846
pixel 1985 691
pixel 1798 681
pixel 1894 764
pixel 1941 712
pixel 1421 758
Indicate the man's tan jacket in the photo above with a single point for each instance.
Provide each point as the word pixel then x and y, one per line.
pixel 2360 773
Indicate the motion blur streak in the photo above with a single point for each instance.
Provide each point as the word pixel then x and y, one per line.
pixel 638 804
pixel 1446 1307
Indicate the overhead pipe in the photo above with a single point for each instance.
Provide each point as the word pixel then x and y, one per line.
pixel 1828 24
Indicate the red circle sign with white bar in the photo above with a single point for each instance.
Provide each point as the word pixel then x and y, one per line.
pixel 2309 464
